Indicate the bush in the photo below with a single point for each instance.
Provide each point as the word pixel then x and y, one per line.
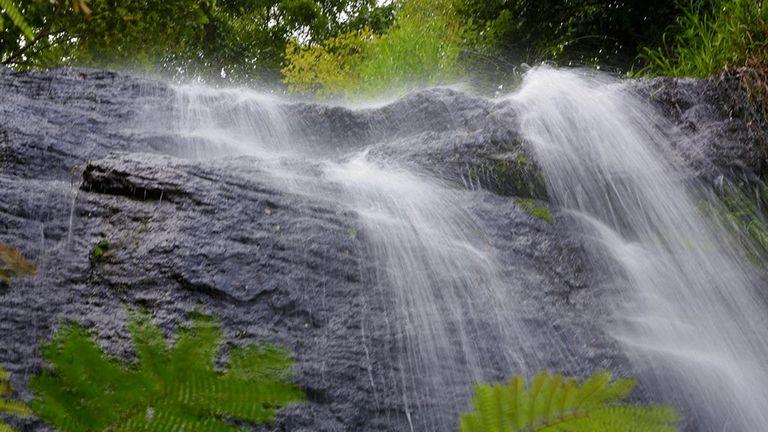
pixel 175 387
pixel 710 36
pixel 328 68
pixel 422 47
pixel 553 403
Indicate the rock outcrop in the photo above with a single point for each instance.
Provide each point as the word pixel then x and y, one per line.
pixel 273 260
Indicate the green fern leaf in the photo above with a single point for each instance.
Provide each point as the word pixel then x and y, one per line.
pixel 170 388
pixel 17 18
pixel 551 403
pixel 7 406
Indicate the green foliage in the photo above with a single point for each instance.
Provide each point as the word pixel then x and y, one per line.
pixel 605 32
pixel 745 208
pixel 13 12
pixel 537 211
pixel 328 68
pixel 554 403
pixel 99 250
pixel 176 387
pixel 710 36
pixel 421 47
pixel 14 264
pixel 243 39
pixel 7 406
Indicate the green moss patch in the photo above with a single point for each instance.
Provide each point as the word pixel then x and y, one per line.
pixel 99 251
pixel 532 208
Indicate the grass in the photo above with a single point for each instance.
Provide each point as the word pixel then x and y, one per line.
pixel 746 209
pixel 709 37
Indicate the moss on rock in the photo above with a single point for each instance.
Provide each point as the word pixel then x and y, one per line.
pixel 532 208
pixel 14 264
pixel 99 251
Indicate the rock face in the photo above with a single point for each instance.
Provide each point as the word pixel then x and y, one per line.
pixel 282 257
pixel 722 126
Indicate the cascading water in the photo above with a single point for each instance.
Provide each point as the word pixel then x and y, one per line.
pixel 453 308
pixel 688 307
pixel 454 317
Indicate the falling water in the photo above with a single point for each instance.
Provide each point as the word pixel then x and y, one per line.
pixel 687 309
pixel 453 314
pixel 452 320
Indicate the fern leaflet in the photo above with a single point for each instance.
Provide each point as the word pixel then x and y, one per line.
pixel 9 406
pixel 13 12
pixel 552 403
pixel 170 388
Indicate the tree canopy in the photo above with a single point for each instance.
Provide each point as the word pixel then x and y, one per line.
pixel 353 47
pixel 236 38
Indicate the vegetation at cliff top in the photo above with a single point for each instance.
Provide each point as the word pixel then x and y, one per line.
pixel 354 47
pixel 709 36
pixel 170 387
pixel 239 39
pixel 554 403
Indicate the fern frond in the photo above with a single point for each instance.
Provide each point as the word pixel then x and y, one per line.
pixel 17 18
pixel 552 403
pixel 11 407
pixel 171 387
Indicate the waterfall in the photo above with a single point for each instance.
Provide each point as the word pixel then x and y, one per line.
pixel 452 307
pixel 454 313
pixel 687 304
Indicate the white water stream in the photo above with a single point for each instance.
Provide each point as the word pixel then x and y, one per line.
pixel 687 307
pixel 686 304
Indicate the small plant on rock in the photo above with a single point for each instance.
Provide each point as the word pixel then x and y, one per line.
pixel 99 251
pixel 552 403
pixel 170 388
pixel 13 264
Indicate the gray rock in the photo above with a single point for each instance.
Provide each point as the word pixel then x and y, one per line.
pixel 280 263
pixel 723 130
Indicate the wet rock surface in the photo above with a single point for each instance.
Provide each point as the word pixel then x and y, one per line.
pixel 722 127
pixel 276 258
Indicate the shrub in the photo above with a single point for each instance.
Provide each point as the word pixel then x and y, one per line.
pixel 175 387
pixel 710 36
pixel 422 47
pixel 553 403
pixel 328 68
